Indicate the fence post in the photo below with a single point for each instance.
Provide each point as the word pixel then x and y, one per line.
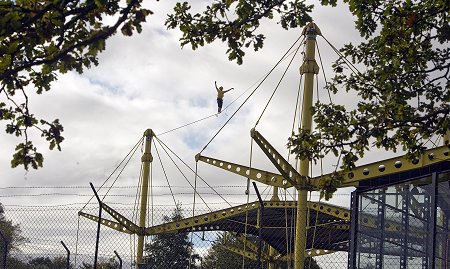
pixel 5 253
pixel 120 260
pixel 98 224
pixel 260 220
pixel 68 255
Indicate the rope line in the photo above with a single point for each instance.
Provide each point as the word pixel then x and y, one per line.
pixel 76 242
pixel 149 201
pixel 151 191
pixel 289 231
pixel 323 71
pixel 179 170
pixel 247 191
pixel 136 197
pixel 226 107
pixel 193 213
pixel 297 108
pixel 120 173
pixel 204 181
pixel 165 174
pixel 276 88
pixel 248 97
pixel 134 215
pixel 187 124
pixel 288 246
pixel 349 64
pixel 140 140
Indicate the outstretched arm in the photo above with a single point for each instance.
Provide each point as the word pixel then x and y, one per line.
pixel 215 83
pixel 229 89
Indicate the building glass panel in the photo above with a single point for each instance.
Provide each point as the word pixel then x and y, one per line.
pixel 404 225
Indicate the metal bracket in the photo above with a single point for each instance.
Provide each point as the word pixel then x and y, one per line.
pixel 121 219
pixel 285 168
pixel 108 223
pixel 265 177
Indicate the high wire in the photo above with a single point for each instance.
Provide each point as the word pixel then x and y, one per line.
pixel 226 107
pixel 248 97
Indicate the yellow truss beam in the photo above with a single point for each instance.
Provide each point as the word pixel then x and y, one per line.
pixel 200 220
pixel 308 253
pixel 351 179
pixel 208 218
pixel 389 166
pixel 126 226
pixel 248 244
pixel 265 177
pixel 287 171
pixel 122 225
pixel 336 211
pixel 253 256
pixel 246 253
pixel 108 223
pixel 122 219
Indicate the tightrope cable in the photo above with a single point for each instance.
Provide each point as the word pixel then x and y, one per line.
pixel 248 97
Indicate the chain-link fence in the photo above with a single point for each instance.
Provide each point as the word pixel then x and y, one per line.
pixel 218 236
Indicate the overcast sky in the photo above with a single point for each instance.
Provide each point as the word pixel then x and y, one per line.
pixel 148 81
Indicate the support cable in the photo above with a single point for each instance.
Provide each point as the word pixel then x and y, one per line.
pixel 193 214
pixel 138 194
pixel 276 88
pixel 349 64
pixel 120 173
pixel 321 174
pixel 187 124
pixel 132 256
pixel 204 181
pixel 226 107
pixel 268 188
pixel 151 190
pixel 133 149
pixel 323 71
pixel 288 245
pixel 181 172
pixel 248 97
pixel 297 109
pixel 289 232
pixel 165 174
pixel 76 242
pixel 135 216
pixel 150 203
pixel 247 192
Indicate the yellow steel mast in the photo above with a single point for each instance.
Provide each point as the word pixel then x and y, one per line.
pixel 146 159
pixel 309 68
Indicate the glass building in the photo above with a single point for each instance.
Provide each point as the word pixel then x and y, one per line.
pixel 401 221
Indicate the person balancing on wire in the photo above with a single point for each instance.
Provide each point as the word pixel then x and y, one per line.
pixel 220 94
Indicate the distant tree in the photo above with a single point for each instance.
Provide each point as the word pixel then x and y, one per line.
pixel 41 39
pixel 12 233
pixel 310 263
pixel 15 263
pixel 403 80
pixel 47 263
pixel 110 264
pixel 172 250
pixel 221 258
pixel 41 263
